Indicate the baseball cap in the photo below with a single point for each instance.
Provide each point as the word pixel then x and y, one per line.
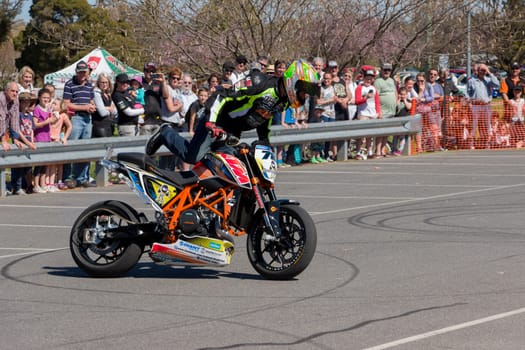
pixel 270 69
pixel 122 78
pixel 515 65
pixel 137 78
pixel 241 59
pixel 255 66
pixel 370 72
pixel 332 63
pixel 518 87
pixel 386 66
pixel 228 65
pixel 82 67
pixel 150 66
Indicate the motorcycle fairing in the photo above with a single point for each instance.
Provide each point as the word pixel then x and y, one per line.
pixel 227 166
pixel 152 189
pixel 266 162
pixel 159 191
pixel 196 251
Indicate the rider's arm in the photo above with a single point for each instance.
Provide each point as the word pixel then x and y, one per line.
pixel 263 131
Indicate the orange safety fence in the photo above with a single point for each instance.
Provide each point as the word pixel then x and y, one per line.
pixel 466 124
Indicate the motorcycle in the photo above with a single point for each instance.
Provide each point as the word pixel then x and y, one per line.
pixel 197 214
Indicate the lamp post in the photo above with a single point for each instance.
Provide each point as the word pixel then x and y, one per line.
pixel 469 55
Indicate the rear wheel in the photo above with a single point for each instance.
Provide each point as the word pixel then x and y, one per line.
pixel 288 256
pixel 94 252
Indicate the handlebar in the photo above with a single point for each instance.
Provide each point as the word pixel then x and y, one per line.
pixel 228 139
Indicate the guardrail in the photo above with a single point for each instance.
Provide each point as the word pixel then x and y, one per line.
pixel 95 149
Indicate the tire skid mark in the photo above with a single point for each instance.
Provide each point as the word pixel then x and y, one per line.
pixel 229 319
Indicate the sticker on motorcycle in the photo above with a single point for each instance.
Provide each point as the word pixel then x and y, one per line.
pixel 266 161
pixel 163 192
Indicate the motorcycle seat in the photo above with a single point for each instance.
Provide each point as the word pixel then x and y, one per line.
pixel 145 162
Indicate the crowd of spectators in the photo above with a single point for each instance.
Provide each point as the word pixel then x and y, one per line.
pixel 138 105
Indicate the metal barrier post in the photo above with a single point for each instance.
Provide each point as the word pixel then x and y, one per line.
pixel 3 187
pixel 342 150
pixel 101 176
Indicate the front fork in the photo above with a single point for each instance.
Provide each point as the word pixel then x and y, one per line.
pixel 271 209
pixel 271 212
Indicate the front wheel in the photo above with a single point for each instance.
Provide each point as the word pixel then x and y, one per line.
pixel 288 256
pixel 93 251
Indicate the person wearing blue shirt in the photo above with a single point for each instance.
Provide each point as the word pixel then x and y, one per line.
pixel 479 93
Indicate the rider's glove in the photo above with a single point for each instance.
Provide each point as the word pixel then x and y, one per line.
pixel 215 131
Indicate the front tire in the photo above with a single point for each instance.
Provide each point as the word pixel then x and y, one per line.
pixel 287 257
pixel 96 254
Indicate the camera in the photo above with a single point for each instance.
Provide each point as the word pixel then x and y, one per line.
pixel 155 75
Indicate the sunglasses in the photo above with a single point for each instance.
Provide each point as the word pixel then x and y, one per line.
pixel 175 78
pixel 263 65
pixel 420 81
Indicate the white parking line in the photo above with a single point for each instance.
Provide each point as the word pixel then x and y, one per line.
pixel 447 330
pixel 390 184
pixel 414 200
pixel 404 173
pixel 33 226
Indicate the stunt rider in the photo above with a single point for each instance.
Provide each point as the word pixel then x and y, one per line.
pixel 235 111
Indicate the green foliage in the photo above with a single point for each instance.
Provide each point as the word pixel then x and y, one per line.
pixel 8 12
pixel 61 31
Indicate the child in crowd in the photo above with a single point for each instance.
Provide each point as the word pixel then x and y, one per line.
pixel 27 102
pixel 368 107
pixel 327 101
pixel 517 106
pixel 502 133
pixel 293 152
pixel 137 91
pixel 195 108
pixel 51 89
pixel 43 118
pixel 316 148
pixel 301 116
pixel 403 108
pixel 278 119
pixel 60 131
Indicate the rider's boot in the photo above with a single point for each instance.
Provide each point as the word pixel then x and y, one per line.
pixel 155 141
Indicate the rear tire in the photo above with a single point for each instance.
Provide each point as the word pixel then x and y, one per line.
pixel 102 256
pixel 287 257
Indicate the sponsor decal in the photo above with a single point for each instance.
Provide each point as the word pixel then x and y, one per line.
pixel 93 62
pixel 163 192
pixel 215 245
pixel 116 63
pixel 189 246
pixel 190 253
pixel 237 168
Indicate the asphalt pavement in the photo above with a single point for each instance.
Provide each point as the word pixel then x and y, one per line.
pixel 421 252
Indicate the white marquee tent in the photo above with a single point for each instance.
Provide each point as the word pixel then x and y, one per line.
pixel 99 60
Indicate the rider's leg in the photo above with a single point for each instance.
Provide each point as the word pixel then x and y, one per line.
pixel 168 137
pixel 199 145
